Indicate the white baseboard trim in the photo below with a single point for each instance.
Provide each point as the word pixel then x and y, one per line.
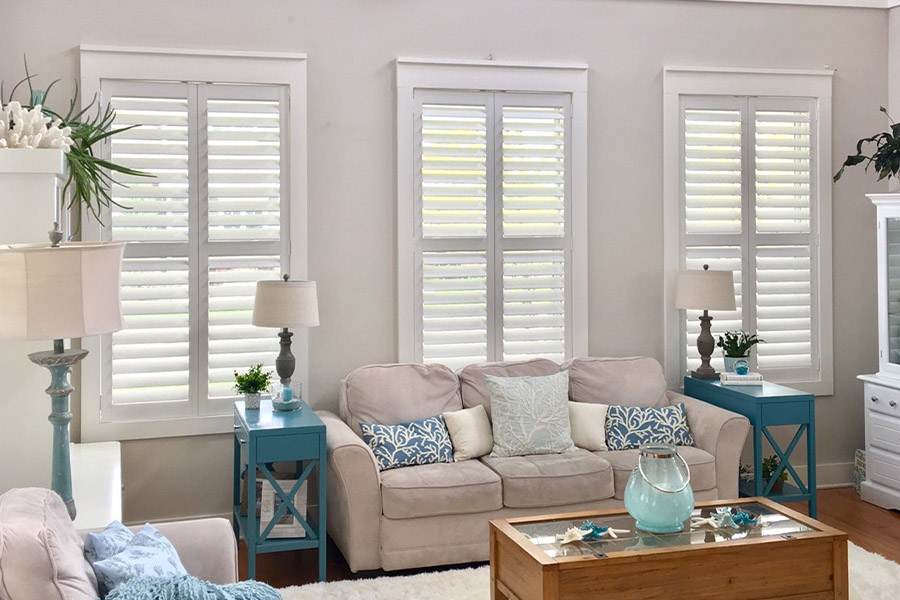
pixel 830 475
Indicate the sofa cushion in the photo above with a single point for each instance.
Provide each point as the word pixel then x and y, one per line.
pixel 474 388
pixel 392 394
pixel 470 432
pixel 636 381
pixel 41 555
pixel 544 480
pixel 701 463
pixel 588 423
pixel 440 489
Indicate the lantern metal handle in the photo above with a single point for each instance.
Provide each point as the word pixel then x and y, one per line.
pixel 687 470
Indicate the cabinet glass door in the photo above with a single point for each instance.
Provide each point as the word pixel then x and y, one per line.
pixel 893 289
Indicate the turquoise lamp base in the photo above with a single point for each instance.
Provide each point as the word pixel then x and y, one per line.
pixel 60 362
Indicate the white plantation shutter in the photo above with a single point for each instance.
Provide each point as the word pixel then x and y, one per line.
pixel 493 237
pixel 748 189
pixel 201 233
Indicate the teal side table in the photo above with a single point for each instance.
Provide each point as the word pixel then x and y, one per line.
pixel 769 405
pixel 265 436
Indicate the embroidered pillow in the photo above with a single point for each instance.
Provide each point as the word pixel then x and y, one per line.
pixel 420 442
pixel 148 554
pixel 530 415
pixel 109 542
pixel 630 427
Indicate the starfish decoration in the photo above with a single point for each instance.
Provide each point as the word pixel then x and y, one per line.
pixel 590 531
pixel 725 519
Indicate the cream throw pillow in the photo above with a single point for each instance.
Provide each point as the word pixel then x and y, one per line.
pixel 470 432
pixel 588 422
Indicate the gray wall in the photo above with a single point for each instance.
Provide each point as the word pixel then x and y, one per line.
pixel 351 45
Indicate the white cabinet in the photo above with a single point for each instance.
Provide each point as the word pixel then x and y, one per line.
pixel 882 390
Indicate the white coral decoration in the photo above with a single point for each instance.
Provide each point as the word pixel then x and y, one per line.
pixel 20 128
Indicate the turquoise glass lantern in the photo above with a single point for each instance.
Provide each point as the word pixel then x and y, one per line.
pixel 659 494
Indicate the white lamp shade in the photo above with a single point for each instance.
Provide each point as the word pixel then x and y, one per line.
pixel 286 304
pixel 705 290
pixel 57 293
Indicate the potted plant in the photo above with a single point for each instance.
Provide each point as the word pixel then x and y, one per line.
pixel 769 465
pixel 251 384
pixel 735 345
pixel 78 134
pixel 885 158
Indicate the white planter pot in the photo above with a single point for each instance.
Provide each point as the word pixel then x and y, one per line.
pixel 252 401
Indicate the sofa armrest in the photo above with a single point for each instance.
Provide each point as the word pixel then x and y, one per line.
pixel 720 432
pixel 206 547
pixel 354 495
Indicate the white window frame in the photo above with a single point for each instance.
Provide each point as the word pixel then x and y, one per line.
pixel 226 67
pixel 491 76
pixel 815 84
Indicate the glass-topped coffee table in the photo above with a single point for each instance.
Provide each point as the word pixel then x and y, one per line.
pixel 759 550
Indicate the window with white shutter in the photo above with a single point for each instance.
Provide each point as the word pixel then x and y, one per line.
pixel 213 221
pixel 201 233
pixel 750 201
pixel 495 269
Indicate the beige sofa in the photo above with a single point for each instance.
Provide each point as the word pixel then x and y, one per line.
pixel 438 514
pixel 42 554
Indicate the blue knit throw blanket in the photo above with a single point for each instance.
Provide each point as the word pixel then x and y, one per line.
pixel 187 587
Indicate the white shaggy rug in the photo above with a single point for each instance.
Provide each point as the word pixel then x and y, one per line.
pixel 872 577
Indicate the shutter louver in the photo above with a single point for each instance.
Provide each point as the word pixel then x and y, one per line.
pixel 712 171
pixel 782 172
pixel 244 169
pixel 454 171
pixel 533 171
pixel 534 305
pixel 157 208
pixel 234 343
pixel 454 296
pixel 150 355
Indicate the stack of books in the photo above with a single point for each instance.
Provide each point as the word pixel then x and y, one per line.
pixel 735 379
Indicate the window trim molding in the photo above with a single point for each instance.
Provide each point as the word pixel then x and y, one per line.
pixel 506 76
pixel 194 65
pixel 681 81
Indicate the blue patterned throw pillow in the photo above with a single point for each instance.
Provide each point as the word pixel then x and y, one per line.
pixel 147 554
pixel 630 427
pixel 109 542
pixel 420 442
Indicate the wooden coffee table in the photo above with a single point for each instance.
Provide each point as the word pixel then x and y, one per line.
pixel 785 555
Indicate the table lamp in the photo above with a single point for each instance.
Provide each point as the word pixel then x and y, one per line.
pixel 54 292
pixel 705 290
pixel 286 304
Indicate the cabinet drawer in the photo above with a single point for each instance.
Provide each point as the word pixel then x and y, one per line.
pixel 883 468
pixel 884 432
pixel 298 446
pixel 883 399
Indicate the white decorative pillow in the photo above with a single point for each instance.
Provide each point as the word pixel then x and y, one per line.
pixel 588 424
pixel 470 432
pixel 530 415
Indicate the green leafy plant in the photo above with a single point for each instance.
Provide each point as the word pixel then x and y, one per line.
pixel 253 381
pixel 885 158
pixel 737 344
pixel 90 177
pixel 769 464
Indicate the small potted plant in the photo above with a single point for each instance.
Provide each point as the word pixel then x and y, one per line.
pixel 769 465
pixel 735 345
pixel 251 383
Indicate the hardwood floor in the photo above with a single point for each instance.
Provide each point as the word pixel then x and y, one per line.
pixel 868 526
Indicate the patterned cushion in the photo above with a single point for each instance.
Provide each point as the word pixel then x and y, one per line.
pixel 420 442
pixel 109 542
pixel 632 426
pixel 530 415
pixel 148 554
